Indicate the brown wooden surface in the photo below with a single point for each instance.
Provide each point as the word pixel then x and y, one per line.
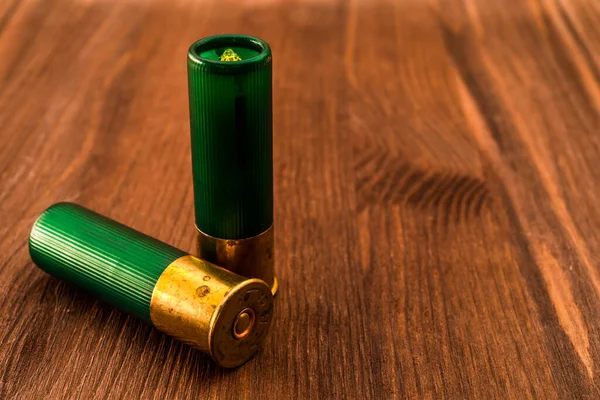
pixel 436 184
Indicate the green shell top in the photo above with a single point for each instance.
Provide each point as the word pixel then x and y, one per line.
pixel 116 263
pixel 230 94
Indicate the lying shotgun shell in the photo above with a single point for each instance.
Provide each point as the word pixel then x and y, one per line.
pixel 230 94
pixel 197 302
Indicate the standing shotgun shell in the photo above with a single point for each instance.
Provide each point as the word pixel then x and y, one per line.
pixel 230 92
pixel 190 299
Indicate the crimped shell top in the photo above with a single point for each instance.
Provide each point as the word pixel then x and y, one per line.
pixel 255 45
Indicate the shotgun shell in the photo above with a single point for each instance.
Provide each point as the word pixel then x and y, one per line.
pixel 230 93
pixel 206 306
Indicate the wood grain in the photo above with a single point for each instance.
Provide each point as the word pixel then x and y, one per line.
pixel 436 186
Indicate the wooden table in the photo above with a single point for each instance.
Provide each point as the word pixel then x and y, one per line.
pixel 436 184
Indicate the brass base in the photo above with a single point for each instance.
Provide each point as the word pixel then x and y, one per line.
pixel 275 286
pixel 252 257
pixel 212 309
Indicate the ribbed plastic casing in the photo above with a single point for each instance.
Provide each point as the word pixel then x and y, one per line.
pixel 231 129
pixel 116 263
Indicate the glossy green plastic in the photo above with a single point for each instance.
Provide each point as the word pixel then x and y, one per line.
pixel 116 263
pixel 231 135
